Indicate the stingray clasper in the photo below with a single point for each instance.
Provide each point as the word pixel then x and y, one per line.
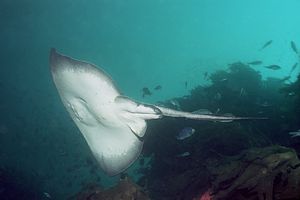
pixel 112 124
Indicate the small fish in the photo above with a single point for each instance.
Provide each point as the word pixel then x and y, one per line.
pixel 185 133
pixel 218 96
pixel 291 94
pixel 242 92
pixel 158 87
pixel 47 195
pixel 293 46
pixel 295 133
pixel 202 112
pixel 205 74
pixel 273 67
pixel 185 84
pixel 293 68
pixel 256 62
pixel 285 78
pixel 266 44
pixel 185 154
pixel 175 103
pixel 146 91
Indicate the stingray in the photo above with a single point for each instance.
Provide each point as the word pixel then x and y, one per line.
pixel 113 125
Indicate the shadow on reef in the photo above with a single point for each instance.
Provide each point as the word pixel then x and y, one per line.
pixel 236 160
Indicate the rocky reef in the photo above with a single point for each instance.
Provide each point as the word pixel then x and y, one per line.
pixel 124 190
pixel 259 173
pixel 221 161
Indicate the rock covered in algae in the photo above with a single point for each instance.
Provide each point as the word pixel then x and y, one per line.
pixel 124 190
pixel 259 173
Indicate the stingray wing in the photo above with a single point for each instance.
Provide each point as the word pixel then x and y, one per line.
pixel 111 124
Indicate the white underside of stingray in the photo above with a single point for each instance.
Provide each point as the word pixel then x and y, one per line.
pixel 112 124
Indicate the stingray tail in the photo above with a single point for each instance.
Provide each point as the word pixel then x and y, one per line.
pixel 175 113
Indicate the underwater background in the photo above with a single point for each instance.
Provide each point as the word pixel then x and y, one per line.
pixel 198 51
